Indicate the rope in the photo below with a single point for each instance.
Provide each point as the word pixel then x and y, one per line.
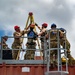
pixel 32 20
pixel 22 39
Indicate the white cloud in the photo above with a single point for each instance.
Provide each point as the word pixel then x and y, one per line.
pixel 60 7
pixel 46 1
pixel 61 12
pixel 71 1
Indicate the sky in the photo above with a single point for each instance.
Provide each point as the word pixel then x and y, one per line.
pixel 60 12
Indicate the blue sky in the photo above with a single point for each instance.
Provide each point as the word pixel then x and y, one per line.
pixel 2 33
pixel 60 12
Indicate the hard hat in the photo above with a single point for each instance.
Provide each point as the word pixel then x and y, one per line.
pixel 44 24
pixel 62 29
pixel 16 27
pixel 32 25
pixel 53 25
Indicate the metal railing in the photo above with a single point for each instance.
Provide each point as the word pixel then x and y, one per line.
pixel 23 61
pixel 59 70
pixel 46 55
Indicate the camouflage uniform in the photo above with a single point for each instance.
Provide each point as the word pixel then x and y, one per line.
pixel 42 38
pixel 64 42
pixel 6 54
pixel 4 46
pixel 17 44
pixel 53 44
pixel 30 53
pixel 31 44
pixel 66 45
pixel 43 32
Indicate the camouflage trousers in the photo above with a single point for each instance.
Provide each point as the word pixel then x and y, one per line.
pixel 53 53
pixel 66 44
pixel 15 52
pixel 30 53
pixel 42 46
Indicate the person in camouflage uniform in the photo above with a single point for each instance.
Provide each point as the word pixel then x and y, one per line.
pixel 17 44
pixel 31 43
pixel 52 35
pixel 65 44
pixel 43 32
pixel 6 54
pixel 4 45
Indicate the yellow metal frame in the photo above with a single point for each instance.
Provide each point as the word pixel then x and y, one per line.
pixel 31 19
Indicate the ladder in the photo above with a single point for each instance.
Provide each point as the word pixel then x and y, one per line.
pixel 59 70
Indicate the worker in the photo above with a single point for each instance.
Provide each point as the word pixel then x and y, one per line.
pixel 52 35
pixel 17 44
pixel 65 44
pixel 6 54
pixel 31 43
pixel 43 32
pixel 4 45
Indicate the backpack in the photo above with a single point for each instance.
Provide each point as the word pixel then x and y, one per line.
pixel 31 34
